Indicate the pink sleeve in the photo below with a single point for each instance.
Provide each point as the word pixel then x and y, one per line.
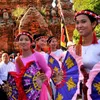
pixel 42 63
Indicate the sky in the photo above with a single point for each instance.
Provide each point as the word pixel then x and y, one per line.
pixel 70 0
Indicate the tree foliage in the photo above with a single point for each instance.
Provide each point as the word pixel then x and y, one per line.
pixel 97 7
pixel 75 36
pixel 97 29
pixel 87 4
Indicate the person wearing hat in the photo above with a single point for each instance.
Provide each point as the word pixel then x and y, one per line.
pixel 28 55
pixel 86 21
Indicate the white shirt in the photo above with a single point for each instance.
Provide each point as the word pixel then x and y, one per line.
pixel 59 53
pixel 4 69
pixel 90 55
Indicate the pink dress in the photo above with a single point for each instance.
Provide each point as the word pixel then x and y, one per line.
pixel 40 61
pixel 40 64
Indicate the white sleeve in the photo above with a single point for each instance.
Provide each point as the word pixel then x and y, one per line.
pixel 1 82
pixel 99 41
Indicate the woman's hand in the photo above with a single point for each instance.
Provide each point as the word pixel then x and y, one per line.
pixel 5 87
pixel 41 78
pixel 58 76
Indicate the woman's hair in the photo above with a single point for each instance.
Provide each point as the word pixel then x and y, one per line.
pixel 36 37
pixel 24 33
pixel 90 14
pixel 50 38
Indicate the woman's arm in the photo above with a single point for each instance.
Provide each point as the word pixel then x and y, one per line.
pixel 42 63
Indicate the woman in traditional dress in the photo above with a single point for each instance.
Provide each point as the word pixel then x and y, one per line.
pixel 40 71
pixel 63 65
pixel 86 21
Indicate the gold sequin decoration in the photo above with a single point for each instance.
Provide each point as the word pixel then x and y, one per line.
pixel 70 84
pixel 97 86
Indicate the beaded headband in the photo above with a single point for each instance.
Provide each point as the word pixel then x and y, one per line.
pixel 36 37
pixel 87 13
pixel 40 38
pixel 50 38
pixel 24 33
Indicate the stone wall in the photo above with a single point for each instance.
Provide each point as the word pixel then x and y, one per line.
pixel 43 17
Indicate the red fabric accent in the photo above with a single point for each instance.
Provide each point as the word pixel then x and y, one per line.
pixel 38 48
pixel 32 50
pixel 94 39
pixel 49 50
pixel 45 49
pixel 20 53
pixel 80 40
pixel 63 36
pixel 22 94
pixel 48 87
pixel 84 87
pixel 78 49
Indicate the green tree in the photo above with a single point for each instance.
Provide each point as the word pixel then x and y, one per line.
pixel 97 7
pixel 75 36
pixel 97 29
pixel 82 4
pixel 87 4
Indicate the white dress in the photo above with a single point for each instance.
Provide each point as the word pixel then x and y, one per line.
pixel 90 55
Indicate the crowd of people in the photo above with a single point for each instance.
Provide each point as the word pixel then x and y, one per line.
pixel 38 77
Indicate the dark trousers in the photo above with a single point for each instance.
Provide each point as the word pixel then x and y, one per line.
pixel 3 95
